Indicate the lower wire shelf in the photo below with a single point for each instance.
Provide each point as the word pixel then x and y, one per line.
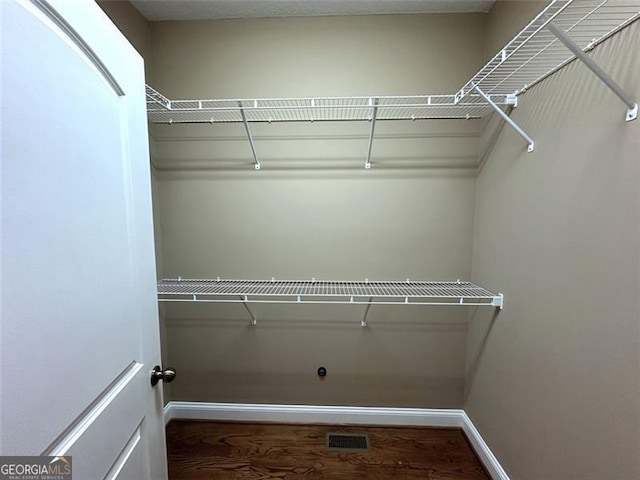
pixel 326 292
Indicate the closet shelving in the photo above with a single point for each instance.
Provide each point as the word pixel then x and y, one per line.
pixel 562 32
pixel 326 292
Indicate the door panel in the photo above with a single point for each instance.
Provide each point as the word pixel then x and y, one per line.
pixel 78 279
pixel 109 423
pixel 131 461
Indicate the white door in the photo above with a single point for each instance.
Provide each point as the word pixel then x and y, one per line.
pixel 79 321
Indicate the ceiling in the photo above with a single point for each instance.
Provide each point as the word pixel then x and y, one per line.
pixel 161 10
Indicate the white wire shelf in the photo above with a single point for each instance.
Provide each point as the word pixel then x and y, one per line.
pixel 535 53
pixel 321 109
pixel 326 292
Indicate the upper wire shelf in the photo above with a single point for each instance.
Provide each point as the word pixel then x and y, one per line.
pixel 531 56
pixel 322 109
pixel 536 52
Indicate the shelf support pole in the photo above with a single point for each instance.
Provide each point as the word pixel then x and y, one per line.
pixel 627 99
pixel 367 163
pixel 363 323
pixel 254 320
pixel 246 127
pixel 507 119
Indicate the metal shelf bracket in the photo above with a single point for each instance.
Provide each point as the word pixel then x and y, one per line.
pixel 246 127
pixel 363 323
pixel 512 99
pixel 627 99
pixel 254 320
pixel 374 114
pixel 507 119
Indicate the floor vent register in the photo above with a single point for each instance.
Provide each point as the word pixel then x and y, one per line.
pixel 347 442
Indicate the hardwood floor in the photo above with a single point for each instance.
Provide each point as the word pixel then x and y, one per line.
pixel 205 450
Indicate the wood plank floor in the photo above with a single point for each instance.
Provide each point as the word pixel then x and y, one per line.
pixel 205 450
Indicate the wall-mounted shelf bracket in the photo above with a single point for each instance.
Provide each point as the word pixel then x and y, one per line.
pixel 363 323
pixel 244 300
pixel 373 102
pixel 507 119
pixel 512 99
pixel 498 301
pixel 629 101
pixel 246 127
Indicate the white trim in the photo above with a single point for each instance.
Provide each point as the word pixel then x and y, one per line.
pixel 168 412
pixel 483 451
pixel 314 414
pixel 422 417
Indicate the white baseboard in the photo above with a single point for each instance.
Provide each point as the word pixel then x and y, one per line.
pixel 486 456
pixel 419 417
pixel 314 414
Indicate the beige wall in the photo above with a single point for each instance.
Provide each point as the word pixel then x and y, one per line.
pixel 553 383
pixel 331 225
pixel 324 56
pixel 313 211
pixel 506 19
pixel 132 24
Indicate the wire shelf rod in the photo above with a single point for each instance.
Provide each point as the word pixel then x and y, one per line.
pixel 171 121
